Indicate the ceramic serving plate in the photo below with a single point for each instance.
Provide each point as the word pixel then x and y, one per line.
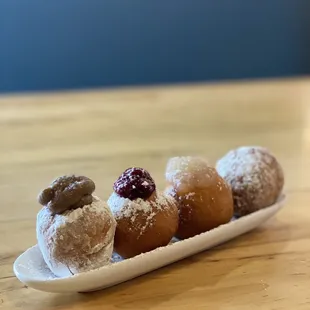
pixel 31 269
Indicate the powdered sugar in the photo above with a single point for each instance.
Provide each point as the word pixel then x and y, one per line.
pixel 73 215
pixel 126 208
pixel 189 195
pixel 254 175
pixel 189 173
pixel 119 205
pixel 76 240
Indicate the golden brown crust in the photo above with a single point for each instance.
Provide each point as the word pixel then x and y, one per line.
pixel 203 209
pixel 145 230
pixel 204 199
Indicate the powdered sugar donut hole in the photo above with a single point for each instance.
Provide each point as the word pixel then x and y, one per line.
pixel 255 176
pixel 76 240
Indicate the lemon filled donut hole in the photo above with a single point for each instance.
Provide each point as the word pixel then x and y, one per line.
pixel 146 219
pixel 204 199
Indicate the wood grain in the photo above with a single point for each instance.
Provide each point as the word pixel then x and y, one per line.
pixel 101 133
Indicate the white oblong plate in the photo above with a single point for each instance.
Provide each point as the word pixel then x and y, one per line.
pixel 31 269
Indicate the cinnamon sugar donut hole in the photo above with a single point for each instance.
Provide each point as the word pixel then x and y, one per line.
pixel 255 176
pixel 203 198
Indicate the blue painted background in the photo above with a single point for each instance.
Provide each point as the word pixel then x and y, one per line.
pixel 47 45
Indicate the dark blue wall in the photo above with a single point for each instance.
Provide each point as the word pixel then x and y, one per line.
pixel 57 44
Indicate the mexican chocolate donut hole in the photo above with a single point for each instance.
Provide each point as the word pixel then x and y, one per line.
pixel 255 176
pixel 203 198
pixel 145 218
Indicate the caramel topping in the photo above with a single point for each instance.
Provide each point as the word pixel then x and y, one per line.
pixel 66 193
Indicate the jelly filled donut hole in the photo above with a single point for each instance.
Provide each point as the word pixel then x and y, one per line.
pixel 146 219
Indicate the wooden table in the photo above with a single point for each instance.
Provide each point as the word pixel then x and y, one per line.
pixel 99 134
